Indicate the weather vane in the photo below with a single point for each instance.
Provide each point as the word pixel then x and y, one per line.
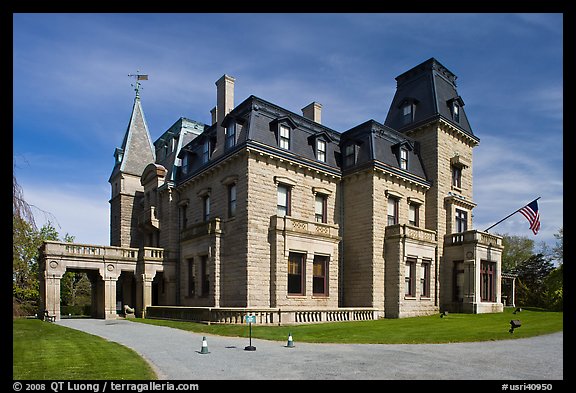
pixel 139 77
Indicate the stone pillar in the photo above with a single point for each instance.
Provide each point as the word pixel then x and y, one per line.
pixel 50 293
pixel 143 293
pixel 471 286
pixel 110 298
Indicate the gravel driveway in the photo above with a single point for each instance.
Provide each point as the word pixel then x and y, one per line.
pixel 175 355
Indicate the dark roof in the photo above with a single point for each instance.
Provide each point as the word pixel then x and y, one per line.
pixel 432 88
pixel 137 149
pixel 377 144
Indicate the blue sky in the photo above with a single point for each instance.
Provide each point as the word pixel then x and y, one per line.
pixel 72 95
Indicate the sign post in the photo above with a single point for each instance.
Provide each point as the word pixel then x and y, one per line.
pixel 250 319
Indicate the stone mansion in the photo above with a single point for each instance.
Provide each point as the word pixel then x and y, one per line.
pixel 269 212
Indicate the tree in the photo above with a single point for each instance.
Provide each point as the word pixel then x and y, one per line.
pixel 532 274
pixel 516 250
pixel 26 240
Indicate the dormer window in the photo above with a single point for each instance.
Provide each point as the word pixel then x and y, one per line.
pixel 456 113
pixel 206 151
pixel 403 158
pixel 350 155
pixel 408 107
pixel 407 114
pixel 231 135
pixel 185 162
pixel 455 105
pixel 118 154
pixel 321 150
pixel 284 137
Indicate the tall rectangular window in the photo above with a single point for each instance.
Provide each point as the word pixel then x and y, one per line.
pixel 461 221
pixel 230 135
pixel 321 150
pixel 487 281
pixel 205 290
pixel 320 208
pixel 456 176
pixel 185 163
pixel 283 204
pixel 456 112
pixel 284 137
pixel 407 113
pixel 191 278
pixel 403 159
pixel 458 281
pixel 425 279
pixel 206 204
pixel 392 211
pixel 296 273
pixel 319 279
pixel 349 155
pixel 414 214
pixel 206 151
pixel 410 277
pixel 232 200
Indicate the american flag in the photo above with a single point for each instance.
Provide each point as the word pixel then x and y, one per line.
pixel 530 211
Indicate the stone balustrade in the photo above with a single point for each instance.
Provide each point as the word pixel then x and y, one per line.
pixel 90 251
pixel 265 316
pixel 472 236
pixel 310 228
pixel 411 232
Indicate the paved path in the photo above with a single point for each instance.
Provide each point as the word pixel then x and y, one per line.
pixel 175 355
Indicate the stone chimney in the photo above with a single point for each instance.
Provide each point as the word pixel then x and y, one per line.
pixel 214 112
pixel 313 111
pixel 224 97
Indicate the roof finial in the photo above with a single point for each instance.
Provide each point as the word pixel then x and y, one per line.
pixel 139 77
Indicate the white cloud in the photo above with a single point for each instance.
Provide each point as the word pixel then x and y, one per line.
pixel 81 211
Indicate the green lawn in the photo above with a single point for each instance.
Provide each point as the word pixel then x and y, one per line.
pixel 429 329
pixel 43 350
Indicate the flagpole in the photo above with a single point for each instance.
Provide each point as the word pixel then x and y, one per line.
pixel 508 216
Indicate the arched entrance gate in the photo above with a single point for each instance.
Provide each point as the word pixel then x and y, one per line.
pixel 107 264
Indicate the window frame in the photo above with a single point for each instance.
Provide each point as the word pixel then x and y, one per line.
pixel 322 217
pixel 284 141
pixel 458 275
pixel 395 216
pixel 230 138
pixel 487 281
pixel 324 261
pixel 410 278
pixel 403 158
pixel 232 204
pixel 425 278
pixel 191 277
pixel 456 176
pixel 349 155
pixel 205 275
pixel 321 152
pixel 206 208
pixel 297 279
pixel 461 220
pixel 206 153
pixel 288 206
pixel 416 207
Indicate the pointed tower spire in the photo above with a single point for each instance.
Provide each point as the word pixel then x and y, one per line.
pixel 137 151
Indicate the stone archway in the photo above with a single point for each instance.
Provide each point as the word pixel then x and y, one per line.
pixel 110 263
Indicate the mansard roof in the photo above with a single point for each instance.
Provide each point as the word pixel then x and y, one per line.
pixel 379 145
pixel 431 88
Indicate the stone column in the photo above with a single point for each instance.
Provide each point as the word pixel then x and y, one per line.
pixel 143 293
pixel 50 293
pixel 110 298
